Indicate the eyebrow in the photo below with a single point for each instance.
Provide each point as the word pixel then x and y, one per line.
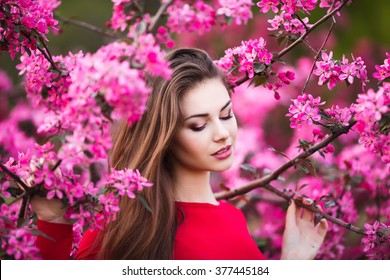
pixel 206 115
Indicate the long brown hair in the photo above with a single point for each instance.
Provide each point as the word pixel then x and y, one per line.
pixel 138 233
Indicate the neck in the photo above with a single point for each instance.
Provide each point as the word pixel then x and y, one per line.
pixel 192 186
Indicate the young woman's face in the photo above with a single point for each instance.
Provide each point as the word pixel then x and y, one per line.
pixel 207 138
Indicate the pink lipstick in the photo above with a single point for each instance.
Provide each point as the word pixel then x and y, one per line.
pixel 223 153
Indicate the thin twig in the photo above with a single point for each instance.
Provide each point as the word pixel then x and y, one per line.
pixel 304 24
pixel 314 26
pixel 48 58
pixel 157 16
pixel 299 40
pixel 264 182
pixel 87 26
pixel 314 209
pixel 274 175
pixel 318 55
pixel 306 42
pixel 14 176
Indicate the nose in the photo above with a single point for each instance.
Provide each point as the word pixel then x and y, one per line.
pixel 221 133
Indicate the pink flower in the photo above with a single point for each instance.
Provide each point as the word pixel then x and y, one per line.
pixel 331 71
pixel 266 5
pixel 127 181
pixel 240 10
pixel 182 17
pixel 304 110
pixel 383 71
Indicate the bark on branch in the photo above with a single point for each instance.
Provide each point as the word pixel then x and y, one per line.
pixel 264 182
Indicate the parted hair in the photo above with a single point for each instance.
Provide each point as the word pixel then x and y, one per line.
pixel 138 233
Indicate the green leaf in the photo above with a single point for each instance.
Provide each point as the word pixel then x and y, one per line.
pixel 304 169
pixel 278 152
pixel 308 164
pixel 233 69
pixel 303 142
pixel 37 232
pixel 229 20
pixel 141 27
pixel 281 40
pixel 259 67
pixel 329 200
pixel 17 28
pixel 384 80
pixel 144 202
pixel 248 171
pixel 317 218
pixel 258 81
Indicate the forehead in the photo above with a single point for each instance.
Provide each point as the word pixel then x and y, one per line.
pixel 206 97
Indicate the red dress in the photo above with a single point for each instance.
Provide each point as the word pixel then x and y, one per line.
pixel 207 232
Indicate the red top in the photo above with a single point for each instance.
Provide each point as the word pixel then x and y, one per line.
pixel 208 232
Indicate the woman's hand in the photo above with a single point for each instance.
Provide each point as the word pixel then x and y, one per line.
pixel 52 210
pixel 301 239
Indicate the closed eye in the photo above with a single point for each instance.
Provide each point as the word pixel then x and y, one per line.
pixel 198 128
pixel 229 116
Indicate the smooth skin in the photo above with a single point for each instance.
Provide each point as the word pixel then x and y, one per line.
pixel 209 125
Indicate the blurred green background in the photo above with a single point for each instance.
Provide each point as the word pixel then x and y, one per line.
pixel 366 20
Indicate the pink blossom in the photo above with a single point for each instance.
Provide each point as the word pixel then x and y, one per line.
pixel 383 71
pixel 20 244
pixel 340 116
pixel 267 5
pixel 119 20
pixel 127 182
pixel 304 110
pixel 331 71
pixel 240 10
pixel 182 17
pixel 376 243
pixel 284 23
pixel 34 17
pixel 247 56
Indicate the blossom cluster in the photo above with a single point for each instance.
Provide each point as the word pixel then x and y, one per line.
pixel 383 71
pixel 95 88
pixel 119 19
pixel 377 240
pixel 331 71
pixel 371 111
pixel 250 58
pixel 239 10
pixel 23 23
pixel 15 241
pixel 198 17
pixel 16 130
pixel 89 203
pixel 286 21
pixel 304 110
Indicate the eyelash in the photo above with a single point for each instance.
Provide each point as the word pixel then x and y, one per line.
pixel 200 128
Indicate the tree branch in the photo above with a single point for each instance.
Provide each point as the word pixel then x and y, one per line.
pixel 299 40
pixel 14 176
pixel 318 55
pixel 153 25
pixel 265 181
pixel 87 26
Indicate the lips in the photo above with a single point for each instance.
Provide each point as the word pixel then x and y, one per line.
pixel 222 150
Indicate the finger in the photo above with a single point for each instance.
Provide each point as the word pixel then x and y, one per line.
pixel 307 215
pixel 322 227
pixel 291 214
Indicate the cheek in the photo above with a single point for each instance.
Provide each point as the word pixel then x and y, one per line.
pixel 191 144
pixel 232 127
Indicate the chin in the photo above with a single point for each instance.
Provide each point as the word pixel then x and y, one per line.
pixel 222 166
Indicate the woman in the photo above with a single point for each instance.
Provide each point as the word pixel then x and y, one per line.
pixel 188 130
